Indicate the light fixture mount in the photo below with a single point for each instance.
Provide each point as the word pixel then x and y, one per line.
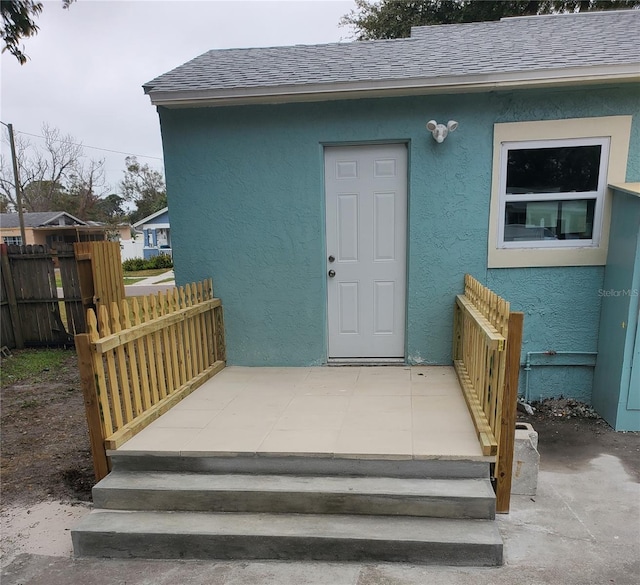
pixel 440 131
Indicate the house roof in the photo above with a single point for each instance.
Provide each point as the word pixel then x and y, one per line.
pixel 37 219
pixel 539 50
pixel 150 217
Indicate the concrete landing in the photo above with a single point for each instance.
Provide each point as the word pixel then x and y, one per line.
pixel 392 412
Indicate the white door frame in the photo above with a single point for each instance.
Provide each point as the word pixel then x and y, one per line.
pixel 399 355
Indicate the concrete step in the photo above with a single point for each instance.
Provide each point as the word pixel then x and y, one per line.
pixel 211 535
pixel 302 464
pixel 440 498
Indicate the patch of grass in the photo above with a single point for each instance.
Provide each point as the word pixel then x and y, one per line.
pixel 130 280
pixel 165 280
pixel 29 363
pixel 29 404
pixel 144 273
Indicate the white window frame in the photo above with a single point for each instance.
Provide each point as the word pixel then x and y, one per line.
pixel 12 240
pixel 598 194
pixel 617 129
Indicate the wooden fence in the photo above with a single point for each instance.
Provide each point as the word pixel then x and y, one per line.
pixel 487 338
pixel 90 273
pixel 100 273
pixel 140 358
pixel 29 304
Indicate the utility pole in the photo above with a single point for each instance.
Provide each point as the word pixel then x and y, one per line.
pixel 16 179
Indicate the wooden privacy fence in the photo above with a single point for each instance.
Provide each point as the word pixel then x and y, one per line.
pixel 29 304
pixel 100 273
pixel 140 358
pixel 487 339
pixel 90 274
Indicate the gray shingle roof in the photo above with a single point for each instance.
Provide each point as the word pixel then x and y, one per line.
pixel 510 46
pixel 35 219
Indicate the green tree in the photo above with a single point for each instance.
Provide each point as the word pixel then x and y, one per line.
pixel 42 195
pixel 392 19
pixel 19 22
pixel 144 186
pixel 110 209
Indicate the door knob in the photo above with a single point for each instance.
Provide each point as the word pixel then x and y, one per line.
pixel 332 259
pixel 332 273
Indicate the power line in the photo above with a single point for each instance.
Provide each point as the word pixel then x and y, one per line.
pixel 92 147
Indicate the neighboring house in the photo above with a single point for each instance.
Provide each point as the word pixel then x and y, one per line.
pixel 48 228
pixel 304 181
pixel 156 231
pixel 133 247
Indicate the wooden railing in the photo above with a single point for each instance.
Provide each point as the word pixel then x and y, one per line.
pixel 481 322
pixel 487 338
pixel 141 357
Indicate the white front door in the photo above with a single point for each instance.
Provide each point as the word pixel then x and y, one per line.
pixel 366 223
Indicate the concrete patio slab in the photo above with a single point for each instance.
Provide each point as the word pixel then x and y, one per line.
pixel 394 412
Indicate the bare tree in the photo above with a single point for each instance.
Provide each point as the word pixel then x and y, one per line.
pixel 84 189
pixel 54 177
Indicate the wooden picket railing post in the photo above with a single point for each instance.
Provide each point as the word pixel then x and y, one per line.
pixel 506 443
pixel 91 405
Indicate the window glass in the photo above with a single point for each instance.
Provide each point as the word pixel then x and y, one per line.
pixel 552 170
pixel 559 219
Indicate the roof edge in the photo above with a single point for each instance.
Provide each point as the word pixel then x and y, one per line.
pixel 152 216
pixel 574 76
pixel 63 213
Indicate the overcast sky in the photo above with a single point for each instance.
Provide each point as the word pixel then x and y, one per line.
pixel 87 64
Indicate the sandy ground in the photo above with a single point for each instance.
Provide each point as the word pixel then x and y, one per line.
pixel 40 529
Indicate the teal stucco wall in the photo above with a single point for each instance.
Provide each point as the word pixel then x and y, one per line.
pixel 615 396
pixel 245 189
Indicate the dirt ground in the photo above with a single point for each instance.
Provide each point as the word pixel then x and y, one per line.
pixel 571 433
pixel 45 443
pixel 45 446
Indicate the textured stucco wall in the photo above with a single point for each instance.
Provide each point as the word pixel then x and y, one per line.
pixel 245 189
pixel 619 318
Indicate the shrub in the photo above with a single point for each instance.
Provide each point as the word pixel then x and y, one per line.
pixel 135 264
pixel 160 261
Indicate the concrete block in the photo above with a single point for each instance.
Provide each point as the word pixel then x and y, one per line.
pixel 526 461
